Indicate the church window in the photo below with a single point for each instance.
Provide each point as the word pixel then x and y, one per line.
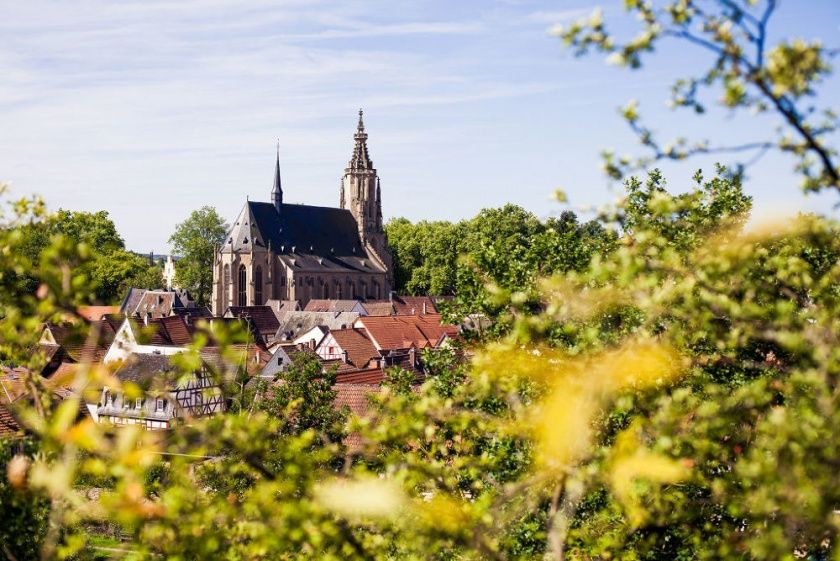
pixel 363 289
pixel 376 293
pixel 338 290
pixel 352 290
pixel 242 286
pixel 327 290
pixel 258 287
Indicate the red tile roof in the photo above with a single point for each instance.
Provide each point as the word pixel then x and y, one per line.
pixel 317 305
pixel 94 313
pixel 9 427
pixel 360 349
pixel 413 305
pixel 176 330
pixel 403 332
pixel 355 397
pixel 379 308
pixel 374 376
pixel 77 342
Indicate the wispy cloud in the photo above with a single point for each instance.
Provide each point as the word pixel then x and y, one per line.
pixel 555 16
pixel 397 29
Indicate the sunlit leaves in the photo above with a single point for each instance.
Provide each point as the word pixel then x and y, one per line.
pixel 749 72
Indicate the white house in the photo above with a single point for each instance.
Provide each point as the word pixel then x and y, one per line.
pixel 167 398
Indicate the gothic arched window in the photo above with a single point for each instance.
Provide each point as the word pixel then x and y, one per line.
pixel 243 286
pixel 376 294
pixel 258 287
pixel 226 285
pixel 338 290
pixel 351 290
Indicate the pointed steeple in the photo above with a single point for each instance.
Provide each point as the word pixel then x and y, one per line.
pixel 277 190
pixel 360 158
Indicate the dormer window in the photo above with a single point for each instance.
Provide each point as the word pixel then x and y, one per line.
pixel 138 403
pixel 160 404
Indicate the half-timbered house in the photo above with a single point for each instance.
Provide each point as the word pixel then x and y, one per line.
pixel 167 396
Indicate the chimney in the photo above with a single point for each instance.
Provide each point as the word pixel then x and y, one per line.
pixel 146 319
pixel 412 357
pixel 391 295
pixel 425 309
pixel 312 344
pixel 345 357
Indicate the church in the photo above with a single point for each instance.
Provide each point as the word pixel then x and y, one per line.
pixel 283 251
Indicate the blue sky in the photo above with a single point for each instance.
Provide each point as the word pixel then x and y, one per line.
pixel 149 109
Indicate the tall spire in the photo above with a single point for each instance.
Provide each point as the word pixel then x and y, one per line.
pixel 277 190
pixel 360 158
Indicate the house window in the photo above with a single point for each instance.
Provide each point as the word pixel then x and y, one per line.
pixel 160 404
pixel 138 403
pixel 243 285
pixel 258 287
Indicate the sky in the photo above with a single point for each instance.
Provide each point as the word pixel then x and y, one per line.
pixel 151 109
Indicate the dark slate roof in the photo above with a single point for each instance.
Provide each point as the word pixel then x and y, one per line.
pixel 263 317
pixel 132 298
pixel 295 324
pixel 142 368
pixel 192 314
pixel 307 238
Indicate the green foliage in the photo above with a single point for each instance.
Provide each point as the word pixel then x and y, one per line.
pixel 748 73
pixel 492 258
pixel 111 270
pixel 673 397
pixel 302 399
pixel 195 240
pixel 25 513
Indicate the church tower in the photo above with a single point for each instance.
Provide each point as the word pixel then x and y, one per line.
pixel 360 192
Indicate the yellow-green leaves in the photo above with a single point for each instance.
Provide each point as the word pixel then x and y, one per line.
pixel 795 67
pixel 364 498
pixel 631 464
pixel 580 386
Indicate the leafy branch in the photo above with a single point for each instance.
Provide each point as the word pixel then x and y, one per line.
pixel 750 74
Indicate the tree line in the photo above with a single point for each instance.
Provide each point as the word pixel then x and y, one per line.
pixel 667 391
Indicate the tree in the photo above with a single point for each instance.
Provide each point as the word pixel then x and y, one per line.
pixel 195 240
pixel 303 399
pixel 111 270
pixel 752 76
pixel 489 259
